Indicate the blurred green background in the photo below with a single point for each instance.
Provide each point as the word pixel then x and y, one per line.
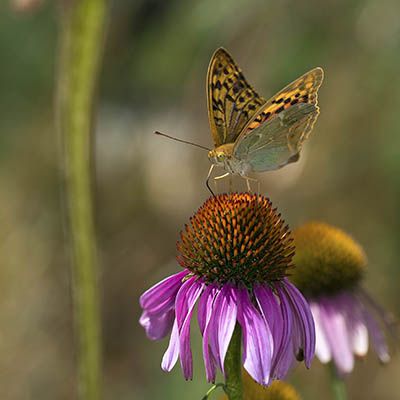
pixel 153 78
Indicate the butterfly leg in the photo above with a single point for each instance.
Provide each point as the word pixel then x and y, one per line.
pixel 248 179
pixel 217 178
pixel 230 184
pixel 248 185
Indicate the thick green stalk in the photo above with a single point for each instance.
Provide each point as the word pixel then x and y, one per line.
pixel 338 385
pixel 81 46
pixel 233 367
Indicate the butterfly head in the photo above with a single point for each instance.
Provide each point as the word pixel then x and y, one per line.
pixel 217 157
pixel 220 155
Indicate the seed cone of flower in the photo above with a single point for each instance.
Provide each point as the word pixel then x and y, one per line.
pixel 236 238
pixel 329 269
pixel 327 260
pixel 235 253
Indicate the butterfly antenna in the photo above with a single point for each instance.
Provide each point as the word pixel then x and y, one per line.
pixel 182 141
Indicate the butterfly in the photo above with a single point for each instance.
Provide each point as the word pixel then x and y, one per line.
pixel 250 133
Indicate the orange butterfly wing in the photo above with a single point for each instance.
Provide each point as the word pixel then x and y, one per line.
pixel 232 102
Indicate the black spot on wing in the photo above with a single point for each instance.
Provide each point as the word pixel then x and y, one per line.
pixel 266 114
pixel 217 85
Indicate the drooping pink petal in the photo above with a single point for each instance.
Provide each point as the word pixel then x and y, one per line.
pixel 291 338
pixel 334 325
pixel 358 332
pixel 359 339
pixel 184 305
pixel 277 317
pixel 257 339
pixel 162 295
pixel 377 336
pixel 376 311
pixel 322 346
pixel 222 323
pixel 181 301
pixel 158 306
pixel 304 321
pixel 157 326
pixel 205 310
pixel 205 306
pixel 171 355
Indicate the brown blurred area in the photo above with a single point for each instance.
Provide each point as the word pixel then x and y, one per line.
pixel 146 187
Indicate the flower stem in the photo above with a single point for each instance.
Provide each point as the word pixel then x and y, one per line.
pixel 338 385
pixel 81 45
pixel 233 367
pixel 211 390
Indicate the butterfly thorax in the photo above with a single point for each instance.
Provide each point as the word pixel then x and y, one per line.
pixel 222 156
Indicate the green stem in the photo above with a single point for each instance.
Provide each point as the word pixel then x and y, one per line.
pixel 338 385
pixel 211 390
pixel 233 367
pixel 81 46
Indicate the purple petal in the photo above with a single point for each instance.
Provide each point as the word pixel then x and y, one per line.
pixel 159 325
pixel 171 355
pixel 222 323
pixel 377 336
pixel 205 306
pixel 359 339
pixel 162 295
pixel 334 325
pixel 379 313
pixel 257 339
pixel 303 320
pixel 184 305
pixel 205 310
pixel 322 348
pixel 277 317
pixel 290 346
pixel 358 332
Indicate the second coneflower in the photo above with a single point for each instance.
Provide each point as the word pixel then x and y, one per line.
pixel 235 254
pixel 329 268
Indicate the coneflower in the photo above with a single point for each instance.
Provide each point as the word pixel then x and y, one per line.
pixel 235 253
pixel 329 268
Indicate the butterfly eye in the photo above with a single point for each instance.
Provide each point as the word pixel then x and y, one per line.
pixel 220 157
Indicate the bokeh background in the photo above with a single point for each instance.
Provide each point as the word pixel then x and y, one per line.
pixel 153 78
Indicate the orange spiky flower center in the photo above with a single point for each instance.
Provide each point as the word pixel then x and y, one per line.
pixel 238 238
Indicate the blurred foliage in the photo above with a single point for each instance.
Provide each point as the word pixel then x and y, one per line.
pixel 153 78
